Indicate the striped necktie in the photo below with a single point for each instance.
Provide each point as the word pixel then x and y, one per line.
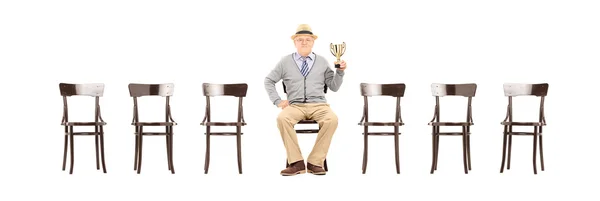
pixel 304 69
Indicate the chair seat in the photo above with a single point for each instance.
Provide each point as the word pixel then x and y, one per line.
pixel 307 131
pixel 307 121
pixel 523 123
pixel 450 124
pixel 380 123
pixel 223 124
pixel 154 124
pixel 83 123
pixel 304 131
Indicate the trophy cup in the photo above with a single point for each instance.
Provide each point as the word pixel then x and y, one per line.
pixel 337 50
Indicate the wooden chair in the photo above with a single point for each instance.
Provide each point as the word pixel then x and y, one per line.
pixel 307 131
pixel 441 90
pixel 393 90
pixel 513 90
pixel 95 90
pixel 235 90
pixel 142 90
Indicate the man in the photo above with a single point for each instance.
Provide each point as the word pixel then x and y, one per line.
pixel 305 75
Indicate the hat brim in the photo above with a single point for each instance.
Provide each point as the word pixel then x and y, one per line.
pixel 312 35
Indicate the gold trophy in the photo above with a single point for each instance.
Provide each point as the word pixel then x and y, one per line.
pixel 337 50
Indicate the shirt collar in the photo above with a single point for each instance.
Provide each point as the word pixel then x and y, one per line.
pixel 299 58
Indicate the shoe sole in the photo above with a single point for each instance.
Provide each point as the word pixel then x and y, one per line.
pixel 299 172
pixel 316 173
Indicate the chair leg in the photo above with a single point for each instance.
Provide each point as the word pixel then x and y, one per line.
pixel 434 142
pixel 432 153
pixel 140 141
pixel 503 151
pixel 72 149
pixel 437 150
pixel 171 165
pixel 535 137
pixel 509 149
pixel 137 144
pixel 102 148
pixel 464 136
pixel 541 152
pixel 65 152
pixel 207 157
pixel 397 150
pixel 168 149
pixel 239 150
pixel 365 149
pixel 96 138
pixel 469 150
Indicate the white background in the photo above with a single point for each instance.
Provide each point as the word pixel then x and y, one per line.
pixel 43 43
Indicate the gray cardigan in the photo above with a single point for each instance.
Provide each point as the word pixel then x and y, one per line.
pixel 302 89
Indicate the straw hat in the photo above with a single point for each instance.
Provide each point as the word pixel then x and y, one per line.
pixel 304 29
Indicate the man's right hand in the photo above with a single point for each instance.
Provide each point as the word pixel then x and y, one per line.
pixel 283 104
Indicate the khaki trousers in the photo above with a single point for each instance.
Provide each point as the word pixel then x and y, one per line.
pixel 292 114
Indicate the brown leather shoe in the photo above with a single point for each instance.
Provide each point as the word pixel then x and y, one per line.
pixel 294 169
pixel 316 170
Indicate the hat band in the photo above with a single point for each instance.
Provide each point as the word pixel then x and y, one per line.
pixel 304 32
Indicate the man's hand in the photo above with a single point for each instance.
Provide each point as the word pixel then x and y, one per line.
pixel 342 65
pixel 283 104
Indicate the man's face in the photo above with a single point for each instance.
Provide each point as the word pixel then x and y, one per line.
pixel 304 44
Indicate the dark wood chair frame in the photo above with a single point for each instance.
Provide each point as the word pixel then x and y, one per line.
pixel 513 90
pixel 307 131
pixel 95 90
pixel 440 90
pixel 394 90
pixel 137 91
pixel 238 90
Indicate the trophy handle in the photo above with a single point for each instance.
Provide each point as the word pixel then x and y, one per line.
pixel 331 48
pixel 343 48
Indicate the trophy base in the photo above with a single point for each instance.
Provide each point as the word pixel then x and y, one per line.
pixel 337 65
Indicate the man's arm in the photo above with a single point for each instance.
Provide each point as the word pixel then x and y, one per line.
pixel 272 78
pixel 334 80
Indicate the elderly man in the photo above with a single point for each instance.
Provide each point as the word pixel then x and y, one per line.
pixel 305 75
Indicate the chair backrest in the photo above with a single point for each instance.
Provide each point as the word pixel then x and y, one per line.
pixel 137 90
pixel 87 89
pixel 393 90
pixel 521 89
pixel 466 90
pixel 236 90
pixel 285 90
pixel 95 90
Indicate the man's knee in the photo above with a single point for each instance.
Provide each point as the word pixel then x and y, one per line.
pixel 331 119
pixel 283 117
